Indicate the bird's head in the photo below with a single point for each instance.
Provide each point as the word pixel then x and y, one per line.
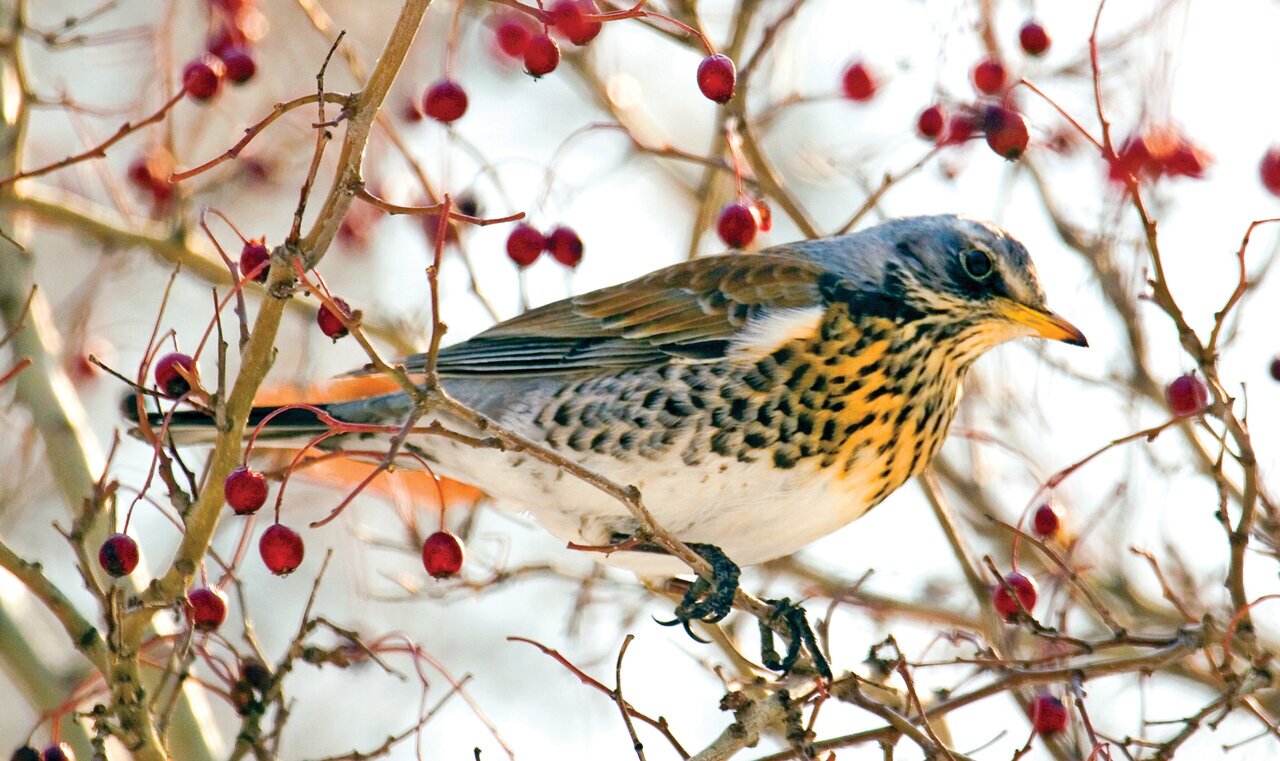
pixel 969 277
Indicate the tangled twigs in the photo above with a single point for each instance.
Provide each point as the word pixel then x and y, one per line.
pixel 615 695
pixel 251 132
pixel 100 150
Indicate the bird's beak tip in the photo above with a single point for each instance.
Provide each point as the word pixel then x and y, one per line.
pixel 1046 324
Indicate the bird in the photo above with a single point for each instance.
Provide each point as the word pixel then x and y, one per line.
pixel 758 401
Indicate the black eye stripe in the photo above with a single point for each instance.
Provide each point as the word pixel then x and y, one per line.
pixel 978 264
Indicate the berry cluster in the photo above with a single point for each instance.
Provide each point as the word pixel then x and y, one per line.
pixel 526 243
pixel 234 26
pixel 1157 152
pixel 55 752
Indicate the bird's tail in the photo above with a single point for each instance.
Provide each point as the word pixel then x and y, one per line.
pixel 292 417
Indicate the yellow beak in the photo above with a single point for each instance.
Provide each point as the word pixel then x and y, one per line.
pixel 1044 324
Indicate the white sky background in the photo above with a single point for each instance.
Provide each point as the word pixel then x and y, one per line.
pixel 1207 68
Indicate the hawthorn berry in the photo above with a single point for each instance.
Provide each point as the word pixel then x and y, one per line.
pixel 330 323
pixel 960 128
pixel 445 101
pixel 738 224
pixel 168 378
pixel 1046 520
pixel 442 555
pixel 25 753
pixel 1006 131
pixel 207 608
pixel 931 122
pixel 1269 170
pixel 239 64
pixel 717 76
pixel 1186 395
pixel 1033 38
pixel 1005 603
pixel 989 76
pixel 59 752
pixel 512 36
pixel 118 555
pixel 411 110
pixel 202 78
pixel 150 174
pixel 245 490
pixel 541 56
pixel 255 254
pixel 281 549
pixel 569 18
pixel 858 82
pixel 565 246
pixel 525 244
pixel 1048 715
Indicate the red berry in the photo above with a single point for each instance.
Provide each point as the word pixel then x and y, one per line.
pixel 1006 131
pixel 565 246
pixel 329 321
pixel 207 608
pixel 445 101
pixel 960 128
pixel 1186 395
pixel 239 63
pixel 245 490
pixel 859 83
pixel 988 76
pixel 59 752
pixel 254 258
pixel 568 18
pixel 150 173
pixel 513 37
pixel 1185 160
pixel 202 78
pixel 738 224
pixel 442 554
pixel 1275 369
pixel 411 111
pixel 717 77
pixel 1033 38
pixel 281 549
pixel 25 753
pixel 525 244
pixel 1269 170
pixel 118 555
pixel 1048 714
pixel 1004 602
pixel 1047 520
pixel 171 382
pixel 1133 158
pixel 931 122
pixel 541 55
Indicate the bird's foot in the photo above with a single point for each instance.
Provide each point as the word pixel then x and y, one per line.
pixel 792 618
pixel 708 600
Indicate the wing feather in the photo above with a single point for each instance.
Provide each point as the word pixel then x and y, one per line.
pixel 694 311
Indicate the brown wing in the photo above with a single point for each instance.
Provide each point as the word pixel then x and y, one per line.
pixel 691 310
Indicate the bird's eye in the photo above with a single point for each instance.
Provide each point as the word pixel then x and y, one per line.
pixel 978 264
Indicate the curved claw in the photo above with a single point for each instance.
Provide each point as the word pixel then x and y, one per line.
pixel 799 637
pixel 708 600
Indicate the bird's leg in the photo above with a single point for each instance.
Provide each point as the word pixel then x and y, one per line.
pixel 708 600
pixel 799 636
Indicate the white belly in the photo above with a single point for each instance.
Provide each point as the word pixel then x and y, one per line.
pixel 753 511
